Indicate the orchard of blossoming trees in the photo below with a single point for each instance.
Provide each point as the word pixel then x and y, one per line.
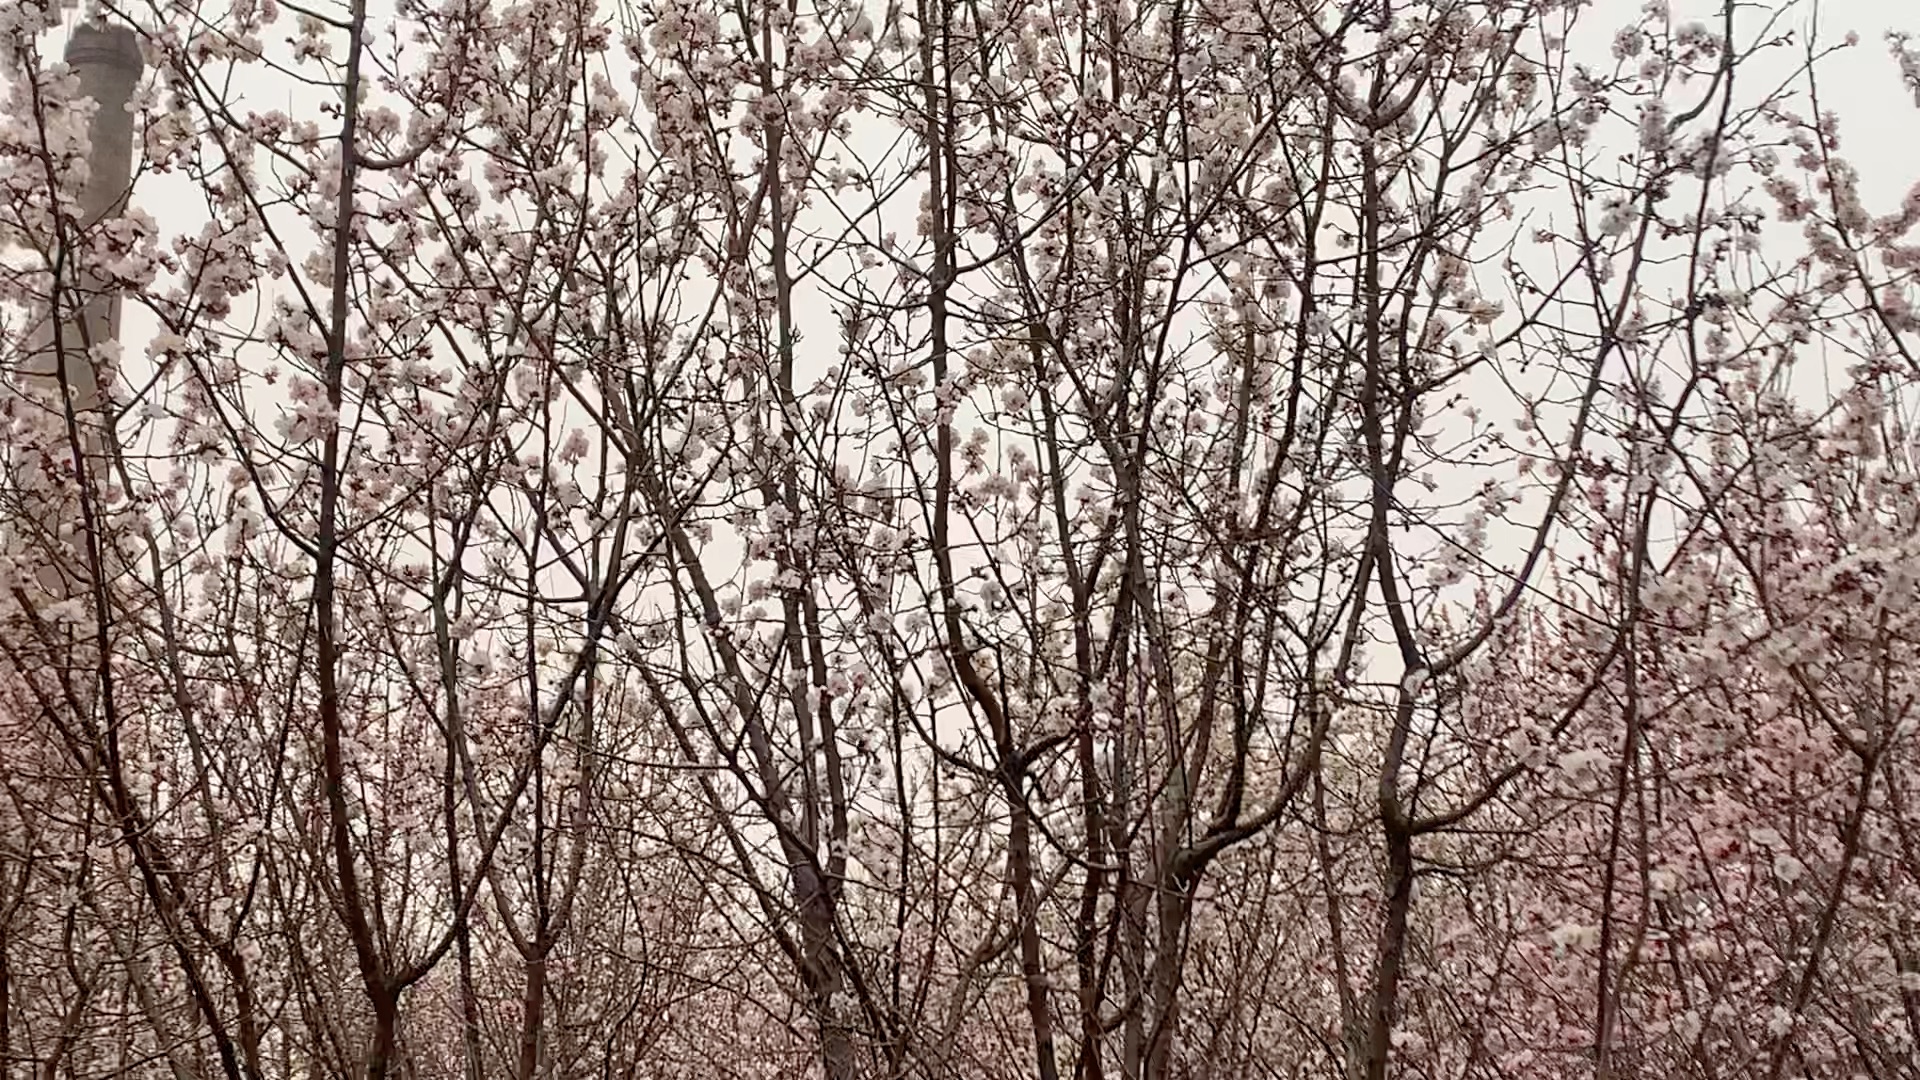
pixel 1131 539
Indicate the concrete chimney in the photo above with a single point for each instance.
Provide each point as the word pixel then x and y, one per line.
pixel 106 60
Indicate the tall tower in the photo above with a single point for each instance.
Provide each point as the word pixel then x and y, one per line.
pixel 106 59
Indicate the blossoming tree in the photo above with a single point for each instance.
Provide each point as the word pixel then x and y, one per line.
pixel 951 539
